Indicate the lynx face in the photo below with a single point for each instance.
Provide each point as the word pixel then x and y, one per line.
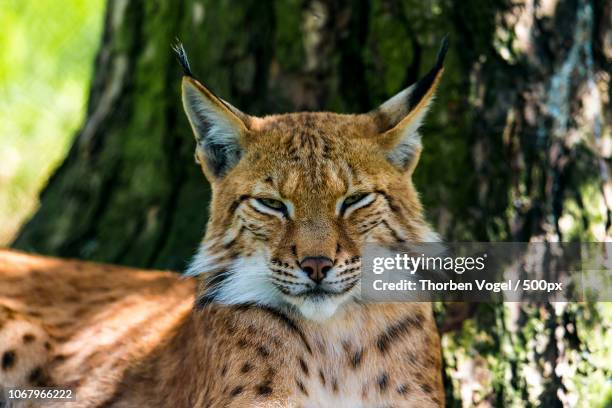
pixel 295 197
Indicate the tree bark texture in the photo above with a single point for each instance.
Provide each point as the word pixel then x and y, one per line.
pixel 517 148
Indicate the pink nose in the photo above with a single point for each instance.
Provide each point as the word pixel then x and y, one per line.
pixel 316 267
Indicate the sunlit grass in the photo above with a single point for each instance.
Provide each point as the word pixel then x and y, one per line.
pixel 47 48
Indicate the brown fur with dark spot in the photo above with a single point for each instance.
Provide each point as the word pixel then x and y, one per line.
pixel 145 344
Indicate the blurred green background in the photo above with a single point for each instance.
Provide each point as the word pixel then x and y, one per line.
pixel 47 50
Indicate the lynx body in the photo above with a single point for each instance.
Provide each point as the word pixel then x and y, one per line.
pixel 268 314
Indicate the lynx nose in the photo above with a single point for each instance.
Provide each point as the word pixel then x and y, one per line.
pixel 316 267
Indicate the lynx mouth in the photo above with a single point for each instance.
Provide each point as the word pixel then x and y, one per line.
pixel 319 292
pixel 318 303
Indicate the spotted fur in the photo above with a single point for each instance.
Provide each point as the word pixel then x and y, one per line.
pixel 247 326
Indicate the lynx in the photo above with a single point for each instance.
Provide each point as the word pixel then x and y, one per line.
pixel 268 314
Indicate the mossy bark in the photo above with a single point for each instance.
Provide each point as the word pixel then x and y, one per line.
pixel 515 147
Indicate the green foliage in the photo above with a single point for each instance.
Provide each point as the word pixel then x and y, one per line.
pixel 47 49
pixel 289 52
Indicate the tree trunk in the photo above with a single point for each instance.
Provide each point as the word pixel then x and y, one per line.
pixel 516 146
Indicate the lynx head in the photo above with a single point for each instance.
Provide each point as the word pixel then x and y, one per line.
pixel 295 196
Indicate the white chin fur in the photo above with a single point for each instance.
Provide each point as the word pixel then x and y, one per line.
pixel 318 309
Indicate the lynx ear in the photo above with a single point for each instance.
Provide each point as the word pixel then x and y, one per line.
pixel 399 118
pixel 219 128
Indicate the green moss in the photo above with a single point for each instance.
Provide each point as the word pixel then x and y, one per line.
pixel 289 51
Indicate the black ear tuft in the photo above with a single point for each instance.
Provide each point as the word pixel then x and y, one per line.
pixel 423 85
pixel 181 55
pixel 442 52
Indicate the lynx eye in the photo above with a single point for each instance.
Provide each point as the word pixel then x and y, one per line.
pixel 273 204
pixel 353 199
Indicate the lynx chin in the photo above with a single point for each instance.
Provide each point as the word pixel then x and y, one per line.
pixel 268 312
